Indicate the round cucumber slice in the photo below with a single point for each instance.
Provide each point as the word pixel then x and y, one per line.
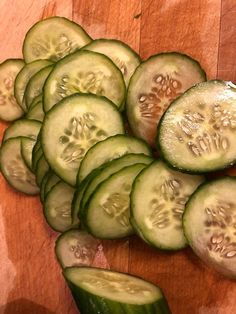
pixel 23 78
pixel 74 125
pixel 57 207
pixel 84 72
pixel 76 248
pixel 197 132
pixel 106 215
pixel 14 169
pixel 9 108
pixel 158 198
pixel 155 83
pixel 126 59
pixel 35 85
pixel 109 149
pixel 209 223
pixel 97 290
pixel 53 38
pixel 23 127
pixel 27 145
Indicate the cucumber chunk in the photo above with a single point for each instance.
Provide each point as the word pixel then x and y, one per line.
pixel 97 290
pixel 109 149
pixel 121 54
pixel 53 38
pixel 9 108
pixel 23 78
pixel 84 72
pixel 57 207
pixel 107 212
pixel 197 132
pixel 154 85
pixel 14 169
pixel 158 198
pixel 27 145
pixel 209 223
pixel 74 125
pixel 76 248
pixel 23 127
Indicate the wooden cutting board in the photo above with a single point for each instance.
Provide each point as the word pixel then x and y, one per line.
pixel 30 279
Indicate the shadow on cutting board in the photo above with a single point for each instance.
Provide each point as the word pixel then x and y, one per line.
pixel 24 306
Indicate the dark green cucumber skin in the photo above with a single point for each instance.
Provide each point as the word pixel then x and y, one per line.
pixel 43 184
pixel 41 169
pixel 165 158
pixel 35 158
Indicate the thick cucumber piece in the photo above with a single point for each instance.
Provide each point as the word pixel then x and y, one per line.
pixel 126 59
pixel 51 182
pixel 109 149
pixel 97 290
pixel 42 168
pixel 23 78
pixel 209 223
pixel 35 85
pixel 84 72
pixel 36 112
pixel 76 248
pixel 23 127
pixel 75 124
pixel 9 108
pixel 53 38
pixel 57 207
pixel 154 85
pixel 107 212
pixel 197 133
pixel 14 169
pixel 27 145
pixel 158 198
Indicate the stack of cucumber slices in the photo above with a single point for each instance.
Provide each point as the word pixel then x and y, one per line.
pixel 69 100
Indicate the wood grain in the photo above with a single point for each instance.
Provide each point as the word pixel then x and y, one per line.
pixel 30 278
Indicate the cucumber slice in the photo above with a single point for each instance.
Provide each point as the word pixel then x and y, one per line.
pixel 209 223
pixel 126 59
pixel 76 248
pixel 75 124
pixel 23 78
pixel 51 182
pixel 57 207
pixel 36 112
pixel 36 157
pixel 197 133
pixel 157 204
pixel 35 101
pixel 97 290
pixel 14 169
pixel 107 212
pixel 35 85
pixel 109 149
pixel 27 145
pixel 109 169
pixel 23 127
pixel 53 38
pixel 43 184
pixel 9 108
pixel 84 72
pixel 155 83
pixel 42 168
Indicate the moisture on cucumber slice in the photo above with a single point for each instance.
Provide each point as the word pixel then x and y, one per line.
pixel 76 248
pixel 126 59
pixel 84 72
pixel 27 145
pixel 209 223
pixel 23 78
pixel 42 168
pixel 14 169
pixel 57 207
pixel 107 212
pixel 51 182
pixel 154 85
pixel 35 85
pixel 109 149
pixel 53 38
pixel 197 132
pixel 75 124
pixel 36 112
pixel 23 127
pixel 9 108
pixel 97 290
pixel 158 199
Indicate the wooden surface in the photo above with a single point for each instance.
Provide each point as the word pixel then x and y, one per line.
pixel 30 279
